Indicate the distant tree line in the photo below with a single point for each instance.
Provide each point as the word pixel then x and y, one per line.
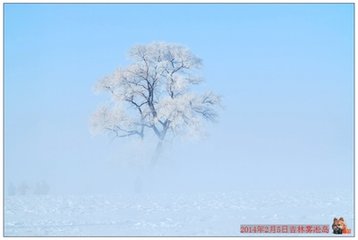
pixel 39 188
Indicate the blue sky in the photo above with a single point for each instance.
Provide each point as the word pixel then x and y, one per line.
pixel 285 72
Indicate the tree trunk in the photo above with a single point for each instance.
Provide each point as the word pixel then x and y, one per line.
pixel 157 153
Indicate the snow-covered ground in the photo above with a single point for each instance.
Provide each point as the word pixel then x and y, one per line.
pixel 199 214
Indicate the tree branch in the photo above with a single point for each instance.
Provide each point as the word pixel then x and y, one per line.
pixel 138 106
pixel 126 134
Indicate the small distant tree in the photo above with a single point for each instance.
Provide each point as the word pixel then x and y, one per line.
pixel 11 189
pixel 41 188
pixel 153 94
pixel 23 188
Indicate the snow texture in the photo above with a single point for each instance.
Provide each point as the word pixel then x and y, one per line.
pixel 195 214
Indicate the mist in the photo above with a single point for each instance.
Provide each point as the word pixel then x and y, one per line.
pixel 280 152
pixel 219 161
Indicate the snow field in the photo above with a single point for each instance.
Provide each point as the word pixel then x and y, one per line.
pixel 201 214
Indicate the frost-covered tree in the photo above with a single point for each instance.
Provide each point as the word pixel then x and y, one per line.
pixel 153 94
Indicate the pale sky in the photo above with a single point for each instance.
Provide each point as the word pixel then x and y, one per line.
pixel 285 72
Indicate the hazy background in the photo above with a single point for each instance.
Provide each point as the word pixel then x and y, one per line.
pixel 285 72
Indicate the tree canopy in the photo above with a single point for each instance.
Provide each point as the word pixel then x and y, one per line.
pixel 154 94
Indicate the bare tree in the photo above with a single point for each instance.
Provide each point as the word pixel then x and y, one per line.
pixel 153 94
